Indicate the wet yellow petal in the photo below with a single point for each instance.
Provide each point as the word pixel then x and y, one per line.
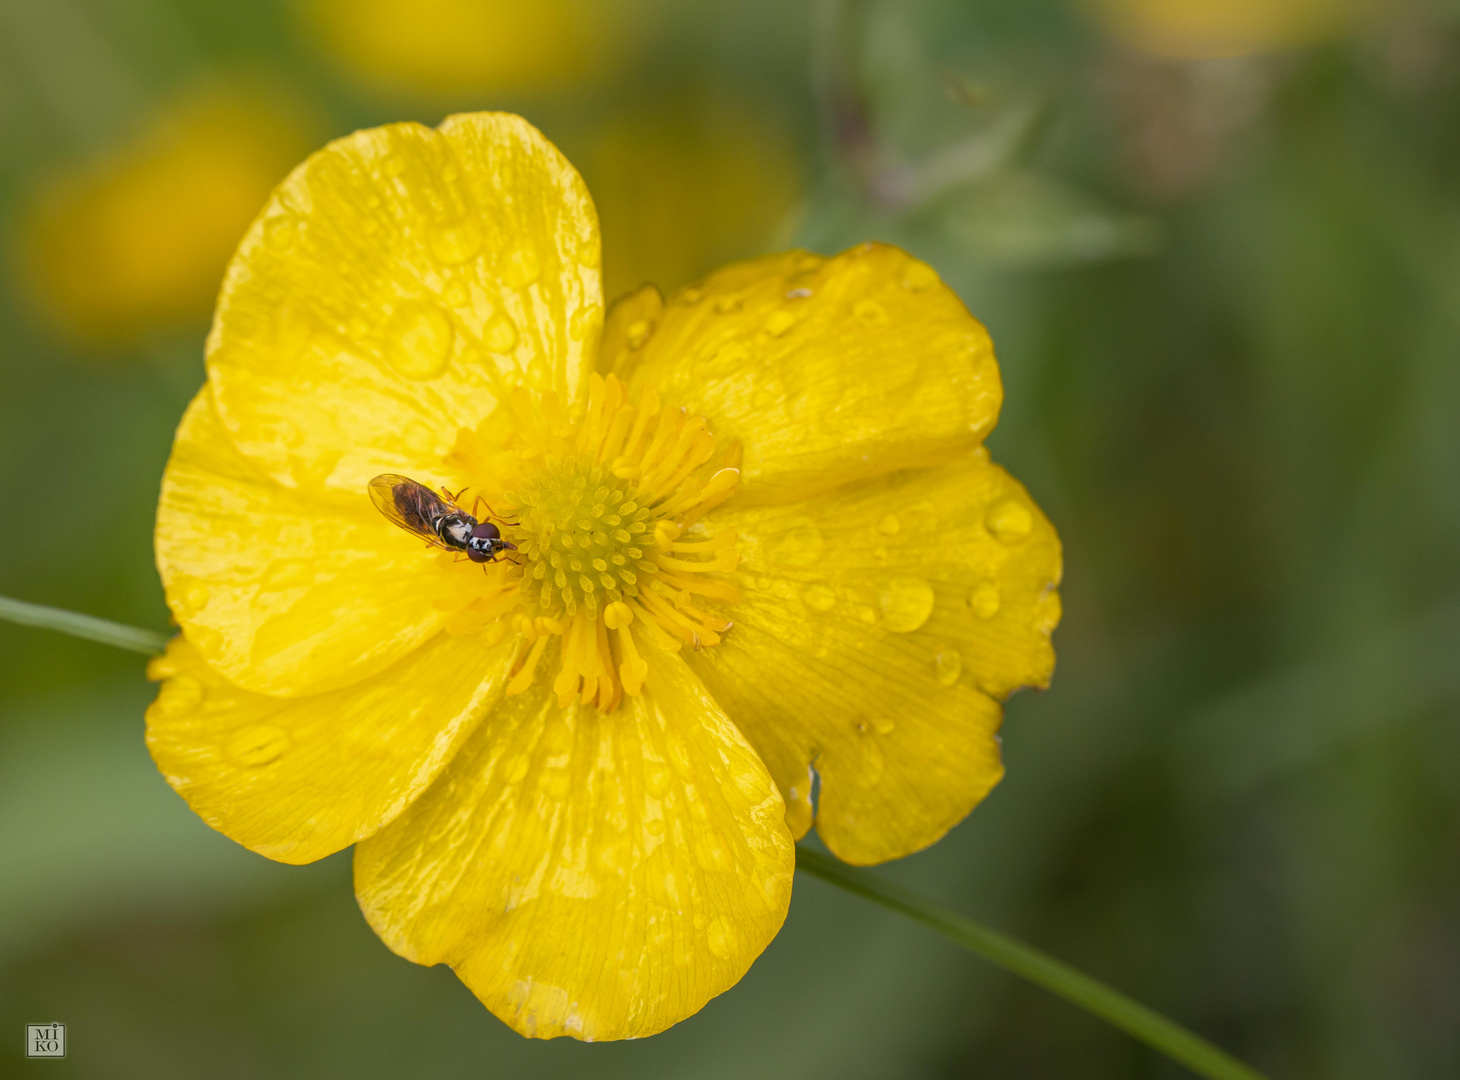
pixel 298 778
pixel 393 287
pixel 600 876
pixel 827 370
pixel 877 629
pixel 281 593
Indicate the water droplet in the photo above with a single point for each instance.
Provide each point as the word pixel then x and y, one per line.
pixel 691 296
pixel 880 554
pixel 638 333
pixel 359 327
pixel 727 304
pixel 590 252
pixel 918 276
pixel 456 243
pixel 779 323
pixel 984 599
pixel 520 268
pixel 656 779
pixel 501 333
pixel 393 165
pixel 1009 520
pixel 947 665
pixel 798 294
pixel 190 597
pixel 883 725
pixel 293 328
pixel 286 574
pixel 257 744
pixel 712 854
pixel 457 293
pixel 889 525
pixel 418 340
pixel 722 939
pixel 801 546
pixel 808 263
pixel 867 614
pixel 820 598
pixel 281 231
pixel 179 695
pixel 584 320
pixel 1047 611
pixel 906 603
pixel 870 313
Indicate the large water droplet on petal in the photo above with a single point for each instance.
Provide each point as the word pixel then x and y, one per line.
pixel 501 333
pixel 457 242
pixel 520 266
pixel 906 603
pixel 801 546
pixel 418 340
pixel 947 665
pixel 722 938
pixel 984 599
pixel 1009 521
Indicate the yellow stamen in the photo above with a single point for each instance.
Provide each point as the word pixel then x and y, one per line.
pixel 598 506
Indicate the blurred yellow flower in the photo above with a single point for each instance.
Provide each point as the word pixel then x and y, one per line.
pixel 686 185
pixel 780 467
pixel 137 240
pixel 1198 29
pixel 449 49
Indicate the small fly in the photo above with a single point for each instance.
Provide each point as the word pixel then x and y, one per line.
pixel 437 520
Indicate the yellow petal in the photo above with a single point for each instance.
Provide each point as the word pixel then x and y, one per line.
pixel 828 370
pixel 600 876
pixel 391 290
pixel 298 778
pixel 281 593
pixel 878 628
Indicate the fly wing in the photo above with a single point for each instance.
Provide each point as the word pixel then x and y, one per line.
pixel 410 505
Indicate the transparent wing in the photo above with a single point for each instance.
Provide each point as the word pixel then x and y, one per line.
pixel 410 505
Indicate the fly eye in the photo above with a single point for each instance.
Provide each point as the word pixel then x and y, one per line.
pixel 485 531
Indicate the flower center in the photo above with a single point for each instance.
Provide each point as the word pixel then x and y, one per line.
pixel 584 532
pixel 604 509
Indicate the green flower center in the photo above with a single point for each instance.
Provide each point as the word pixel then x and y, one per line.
pixel 583 532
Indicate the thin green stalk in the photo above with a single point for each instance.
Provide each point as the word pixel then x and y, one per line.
pixel 82 626
pixel 1109 1004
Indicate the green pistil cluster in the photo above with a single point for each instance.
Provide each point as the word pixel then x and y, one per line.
pixel 584 531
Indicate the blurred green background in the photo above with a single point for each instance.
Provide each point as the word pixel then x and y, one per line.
pixel 1218 246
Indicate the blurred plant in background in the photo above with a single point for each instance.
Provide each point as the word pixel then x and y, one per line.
pixel 449 50
pixel 1218 260
pixel 135 240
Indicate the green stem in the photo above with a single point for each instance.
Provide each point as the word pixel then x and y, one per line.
pixel 1109 1004
pixel 82 626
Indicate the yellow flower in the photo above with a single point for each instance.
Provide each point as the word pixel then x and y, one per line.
pixel 448 49
pixel 757 539
pixel 683 186
pixel 136 241
pixel 1197 29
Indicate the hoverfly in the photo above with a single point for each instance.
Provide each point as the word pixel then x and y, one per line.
pixel 439 521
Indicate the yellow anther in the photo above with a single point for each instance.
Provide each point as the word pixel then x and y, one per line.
pixel 617 614
pixel 545 625
pixel 665 533
pixel 523 625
